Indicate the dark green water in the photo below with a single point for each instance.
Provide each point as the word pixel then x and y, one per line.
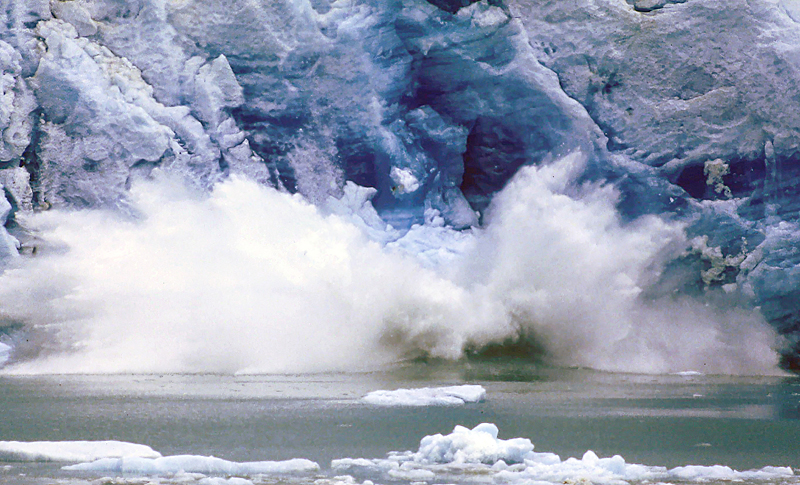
pixel 656 420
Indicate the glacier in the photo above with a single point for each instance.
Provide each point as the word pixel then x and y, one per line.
pixel 609 184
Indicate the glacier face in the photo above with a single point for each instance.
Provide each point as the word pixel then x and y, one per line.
pixel 423 111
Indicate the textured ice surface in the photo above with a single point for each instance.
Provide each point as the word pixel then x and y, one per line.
pixel 136 459
pixel 8 245
pixel 427 396
pixel 5 353
pixel 466 455
pixel 479 455
pixel 477 445
pixel 722 98
pixel 74 451
pixel 411 115
pixel 194 464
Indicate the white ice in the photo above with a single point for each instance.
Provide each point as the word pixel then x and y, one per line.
pixel 477 445
pixel 479 455
pixel 404 179
pixel 194 464
pixel 5 353
pixel 427 396
pixel 72 451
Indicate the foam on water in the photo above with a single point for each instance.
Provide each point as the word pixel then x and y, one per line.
pixel 249 279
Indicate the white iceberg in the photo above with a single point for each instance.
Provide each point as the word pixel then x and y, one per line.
pixel 477 445
pixel 72 451
pixel 427 396
pixel 466 453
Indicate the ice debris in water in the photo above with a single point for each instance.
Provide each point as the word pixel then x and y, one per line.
pixel 427 396
pixel 72 451
pixel 480 455
pixel 194 464
pixel 477 445
pixel 224 481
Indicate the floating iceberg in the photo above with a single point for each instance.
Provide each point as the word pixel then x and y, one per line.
pixel 194 464
pixel 137 459
pixel 477 445
pixel 427 396
pixel 478 455
pixel 73 451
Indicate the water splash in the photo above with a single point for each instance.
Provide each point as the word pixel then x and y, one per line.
pixel 249 279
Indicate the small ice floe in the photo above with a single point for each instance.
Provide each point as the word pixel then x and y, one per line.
pixel 479 452
pixel 427 396
pixel 136 459
pixel 72 451
pixel 208 465
pixel 698 473
pixel 688 373
pixel 477 445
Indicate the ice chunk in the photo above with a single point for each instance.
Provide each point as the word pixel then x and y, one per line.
pixel 434 244
pixel 8 243
pixel 720 473
pixel 74 451
pixel 477 445
pixel 355 205
pixel 5 353
pixel 17 104
pixel 404 180
pixel 427 396
pixel 16 182
pixel 194 464
pixel 73 13
pixel 215 88
pixel 478 452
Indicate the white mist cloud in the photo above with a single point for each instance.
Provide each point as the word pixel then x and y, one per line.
pixel 248 279
pixel 569 273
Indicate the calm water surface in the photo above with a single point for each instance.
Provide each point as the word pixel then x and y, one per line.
pixel 656 420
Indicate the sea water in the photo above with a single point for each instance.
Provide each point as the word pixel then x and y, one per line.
pixel 744 423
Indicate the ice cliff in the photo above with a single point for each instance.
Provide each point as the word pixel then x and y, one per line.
pixel 408 116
